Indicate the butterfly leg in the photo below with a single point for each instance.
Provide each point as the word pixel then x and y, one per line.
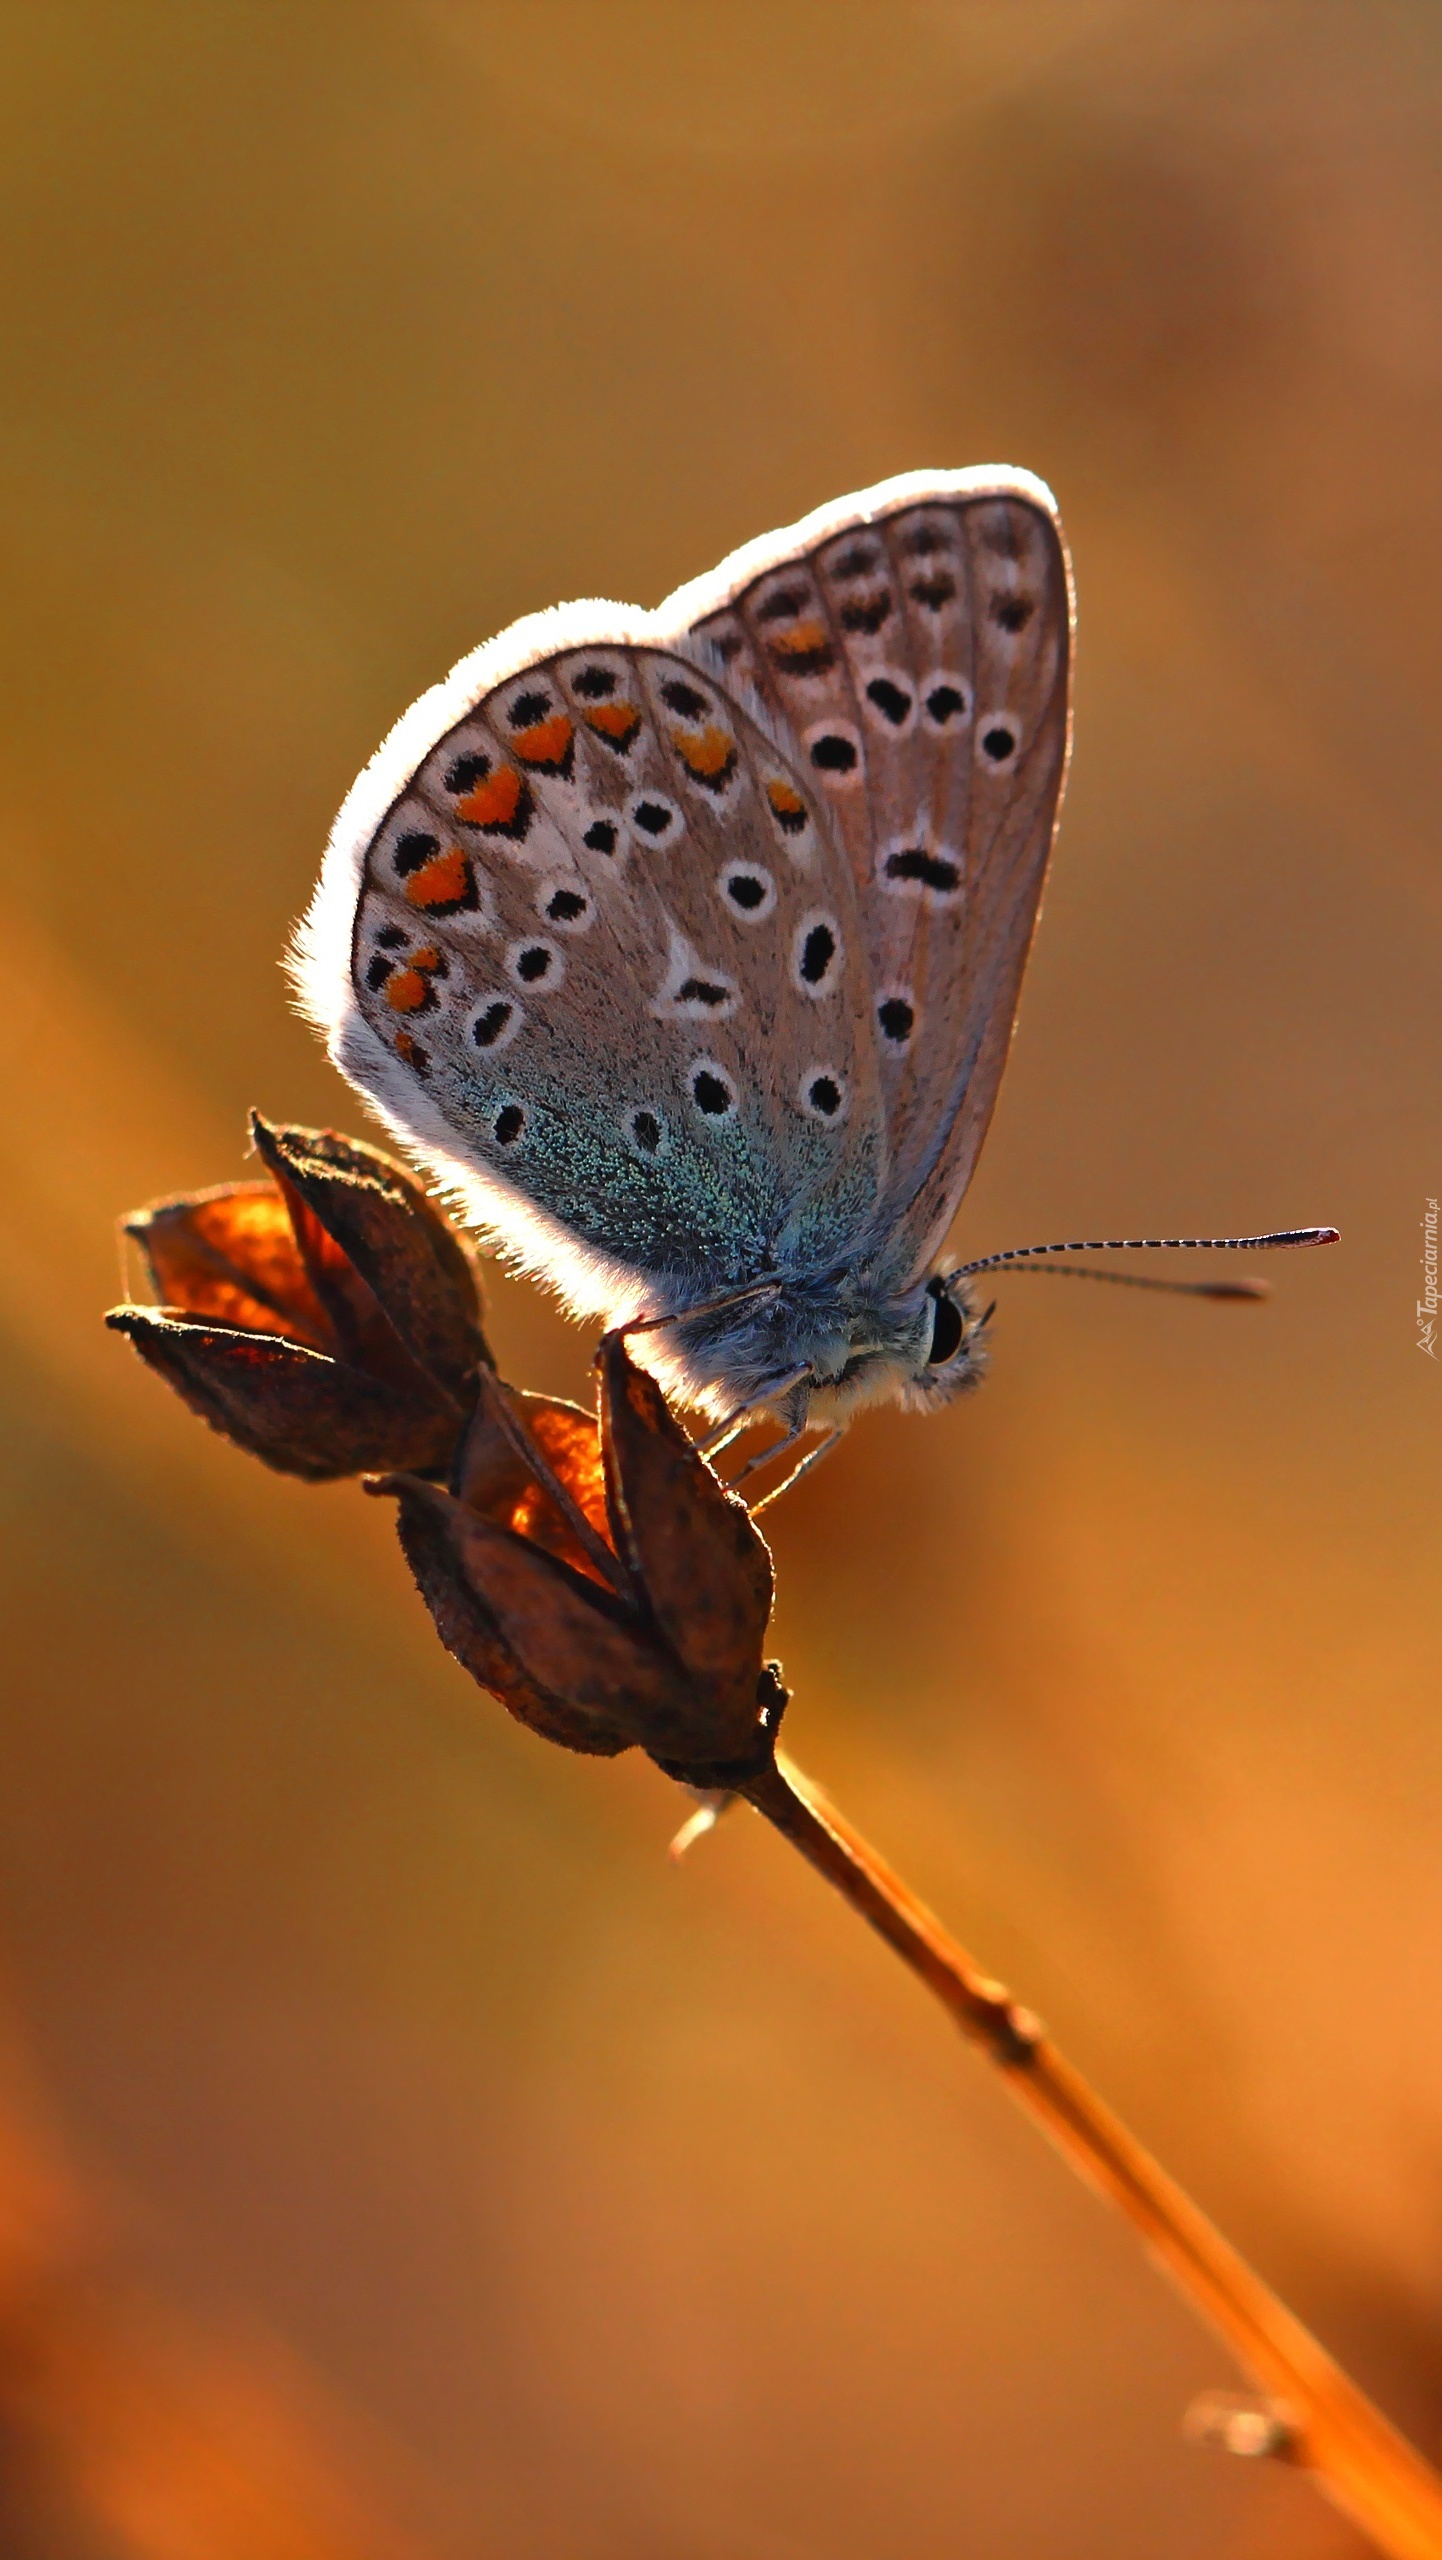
pixel 763 1457
pixel 802 1468
pixel 708 1307
pixel 723 1433
pixel 793 1414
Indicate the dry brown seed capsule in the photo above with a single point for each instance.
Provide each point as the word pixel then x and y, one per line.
pixel 296 1408
pixel 230 1256
pixel 511 1435
pixel 702 1562
pixel 599 1580
pixel 327 1320
pixel 375 1245
pixel 558 1649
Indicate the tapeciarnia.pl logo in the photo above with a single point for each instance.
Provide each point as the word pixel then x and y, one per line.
pixel 1427 1303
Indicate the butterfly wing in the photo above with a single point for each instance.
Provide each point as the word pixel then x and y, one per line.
pixel 588 939
pixel 915 643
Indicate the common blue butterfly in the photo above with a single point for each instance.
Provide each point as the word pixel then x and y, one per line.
pixel 685 946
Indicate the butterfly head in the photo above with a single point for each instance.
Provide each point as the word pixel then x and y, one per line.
pixel 918 1351
pixel 919 1354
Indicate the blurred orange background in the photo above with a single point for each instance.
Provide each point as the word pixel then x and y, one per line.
pixel 596 2209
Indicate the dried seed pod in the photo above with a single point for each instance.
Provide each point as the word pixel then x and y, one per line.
pixel 373 1241
pixel 552 1644
pixel 328 1320
pixel 496 1475
pixel 703 1563
pixel 230 1256
pixel 296 1408
pixel 593 1573
pixel 599 1580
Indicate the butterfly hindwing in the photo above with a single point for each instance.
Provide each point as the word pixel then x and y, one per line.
pixel 914 642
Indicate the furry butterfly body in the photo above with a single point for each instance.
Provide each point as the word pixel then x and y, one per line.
pixel 684 947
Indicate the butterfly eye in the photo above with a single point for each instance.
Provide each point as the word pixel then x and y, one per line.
pixel 947 1328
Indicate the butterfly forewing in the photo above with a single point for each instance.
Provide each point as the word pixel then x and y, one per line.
pixel 608 944
pixel 917 652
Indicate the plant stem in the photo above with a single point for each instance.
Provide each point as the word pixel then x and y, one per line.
pixel 1332 2430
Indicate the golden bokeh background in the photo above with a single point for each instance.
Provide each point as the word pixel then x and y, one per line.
pixel 569 2205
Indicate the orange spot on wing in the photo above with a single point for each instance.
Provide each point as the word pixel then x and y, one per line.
pixel 802 641
pixel 709 754
pixel 406 990
pixel 616 722
pixel 548 743
pixel 494 801
pixel 443 882
pixel 786 802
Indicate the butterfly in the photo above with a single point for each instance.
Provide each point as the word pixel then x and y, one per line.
pixel 685 946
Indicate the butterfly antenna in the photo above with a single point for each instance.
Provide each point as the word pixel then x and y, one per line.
pixel 1138 1280
pixel 1282 1238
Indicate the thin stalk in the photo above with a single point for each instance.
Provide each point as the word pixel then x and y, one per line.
pixel 1332 2430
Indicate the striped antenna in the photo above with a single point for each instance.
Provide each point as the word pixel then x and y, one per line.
pixel 1284 1238
pixel 1249 1289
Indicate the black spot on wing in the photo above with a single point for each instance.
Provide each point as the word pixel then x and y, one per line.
pixel 866 614
pixel 890 699
pixel 933 871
